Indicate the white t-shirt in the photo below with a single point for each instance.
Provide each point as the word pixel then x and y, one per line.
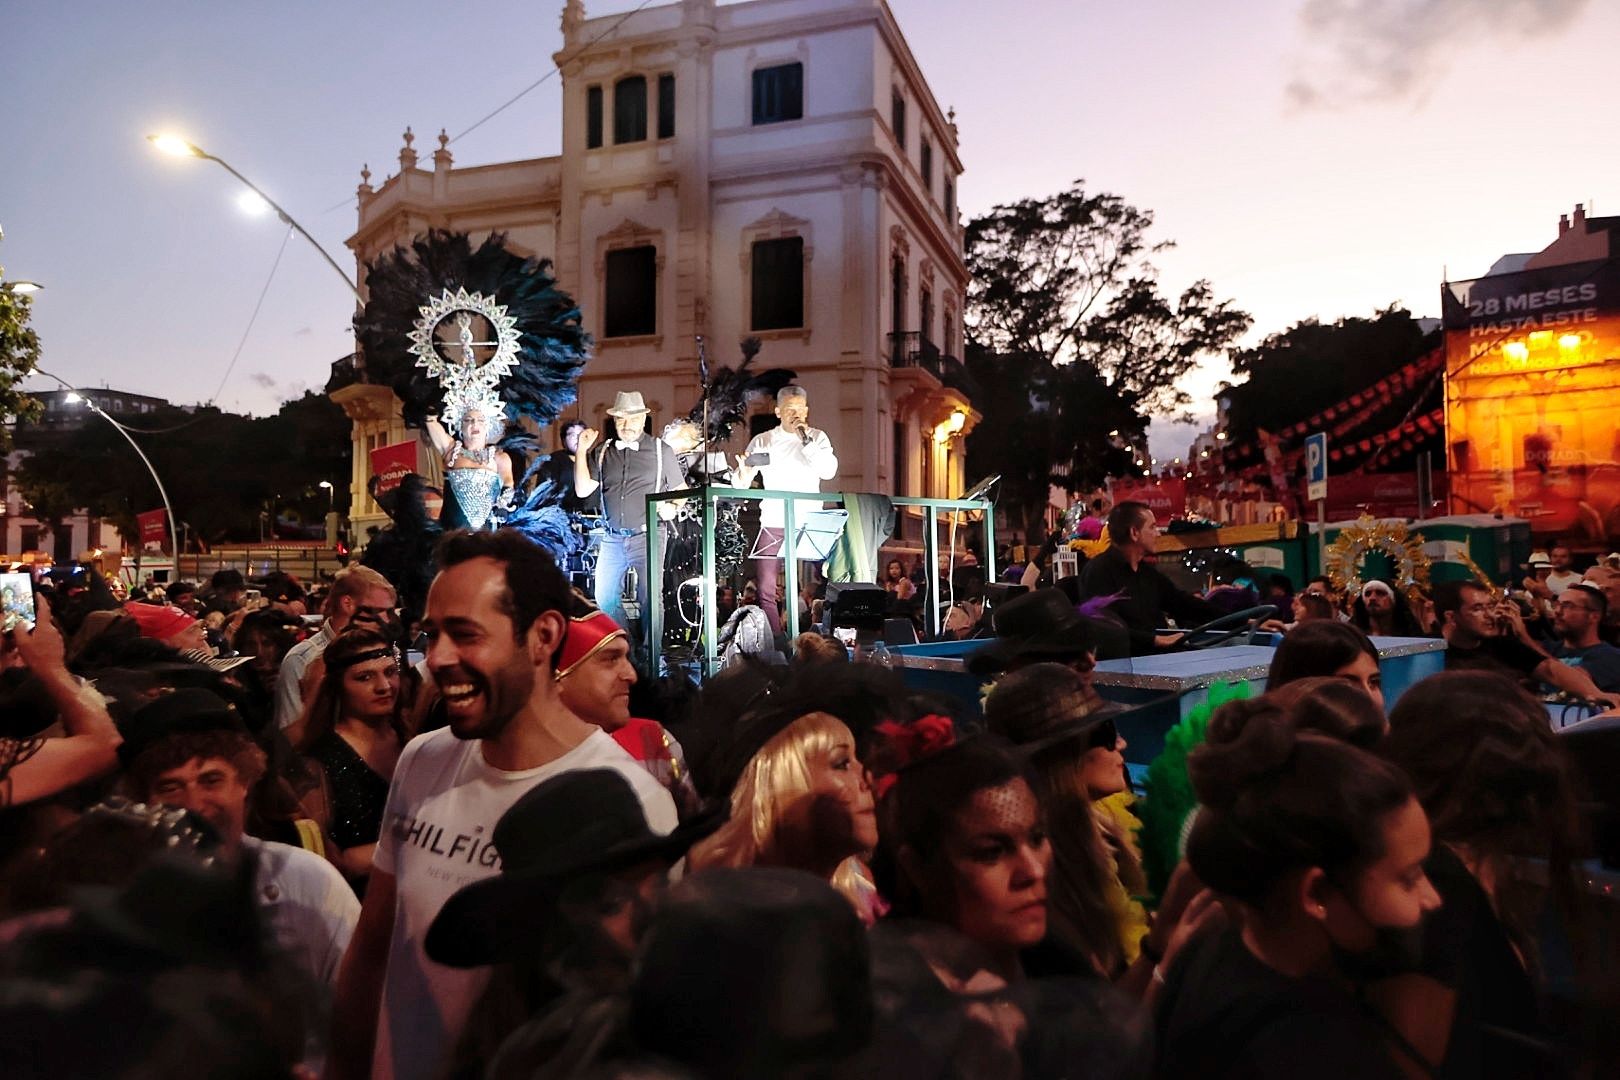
pixel 1559 580
pixel 311 913
pixel 794 466
pixel 437 829
pixel 310 909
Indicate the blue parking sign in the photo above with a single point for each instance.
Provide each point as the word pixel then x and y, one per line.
pixel 1316 461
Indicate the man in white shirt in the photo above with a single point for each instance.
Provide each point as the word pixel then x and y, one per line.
pixel 495 620
pixel 1563 573
pixel 189 750
pixel 791 457
pixel 358 594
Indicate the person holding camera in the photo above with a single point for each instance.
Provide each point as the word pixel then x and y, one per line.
pixel 1484 632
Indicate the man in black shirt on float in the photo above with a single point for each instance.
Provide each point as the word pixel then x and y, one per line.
pixel 1484 633
pixel 1145 595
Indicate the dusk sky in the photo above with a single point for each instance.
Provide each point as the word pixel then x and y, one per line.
pixel 1312 158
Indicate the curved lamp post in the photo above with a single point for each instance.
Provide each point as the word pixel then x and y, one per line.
pixel 74 394
pixel 175 146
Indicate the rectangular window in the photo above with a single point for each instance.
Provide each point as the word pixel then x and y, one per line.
pixel 630 109
pixel 897 119
pixel 777 268
pixel 927 165
pixel 778 93
pixel 950 200
pixel 630 306
pixel 666 106
pixel 593 117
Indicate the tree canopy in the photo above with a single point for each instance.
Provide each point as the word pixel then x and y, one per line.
pixel 19 355
pixel 1311 365
pixel 1075 342
pixel 221 470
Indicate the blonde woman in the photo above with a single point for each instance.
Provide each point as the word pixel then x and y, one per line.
pixel 802 801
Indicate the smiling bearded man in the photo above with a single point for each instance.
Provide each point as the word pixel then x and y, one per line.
pixel 495 624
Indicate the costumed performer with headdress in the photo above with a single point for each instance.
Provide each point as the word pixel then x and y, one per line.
pixel 477 475
pixel 480 338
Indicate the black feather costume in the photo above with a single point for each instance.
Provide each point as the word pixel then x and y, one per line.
pixel 552 350
pixel 728 388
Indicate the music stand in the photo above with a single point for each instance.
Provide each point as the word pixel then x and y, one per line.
pixel 815 533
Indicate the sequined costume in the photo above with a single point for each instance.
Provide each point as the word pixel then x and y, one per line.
pixel 471 499
pixel 356 794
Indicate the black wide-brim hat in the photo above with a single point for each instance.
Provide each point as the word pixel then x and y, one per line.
pixel 1038 625
pixel 589 821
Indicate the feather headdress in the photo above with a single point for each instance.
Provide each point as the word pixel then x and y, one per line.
pixel 728 389
pixel 419 336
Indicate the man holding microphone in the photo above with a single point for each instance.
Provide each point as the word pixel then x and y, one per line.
pixel 791 457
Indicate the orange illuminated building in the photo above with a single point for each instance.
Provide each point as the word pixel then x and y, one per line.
pixel 1532 403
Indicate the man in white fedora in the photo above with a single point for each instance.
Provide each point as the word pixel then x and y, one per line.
pixel 625 470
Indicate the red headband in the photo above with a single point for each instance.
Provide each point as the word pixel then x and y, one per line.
pixel 586 635
pixel 160 621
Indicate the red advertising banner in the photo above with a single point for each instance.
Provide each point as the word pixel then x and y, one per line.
pixel 390 464
pixel 1378 494
pixel 1166 498
pixel 154 526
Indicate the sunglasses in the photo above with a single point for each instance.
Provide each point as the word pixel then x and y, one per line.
pixel 1105 736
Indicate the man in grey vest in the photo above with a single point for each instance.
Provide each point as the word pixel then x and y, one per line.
pixel 625 470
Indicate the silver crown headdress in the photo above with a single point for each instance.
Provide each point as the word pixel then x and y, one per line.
pixel 469 385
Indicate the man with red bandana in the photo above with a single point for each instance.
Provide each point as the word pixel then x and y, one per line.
pixel 594 677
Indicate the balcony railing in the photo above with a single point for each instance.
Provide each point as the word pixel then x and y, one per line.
pixel 911 349
pixel 345 372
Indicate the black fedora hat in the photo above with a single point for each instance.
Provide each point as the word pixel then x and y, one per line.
pixel 588 821
pixel 187 710
pixel 1038 625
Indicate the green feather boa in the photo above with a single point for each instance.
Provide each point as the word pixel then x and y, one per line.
pixel 1170 801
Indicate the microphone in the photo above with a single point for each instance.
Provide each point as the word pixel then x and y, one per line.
pixel 804 435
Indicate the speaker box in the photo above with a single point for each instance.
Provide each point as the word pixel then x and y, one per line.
pixel 861 604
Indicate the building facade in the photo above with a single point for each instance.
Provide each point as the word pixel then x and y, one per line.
pixel 1532 398
pixel 775 168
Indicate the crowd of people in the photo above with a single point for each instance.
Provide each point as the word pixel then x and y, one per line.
pixel 244 834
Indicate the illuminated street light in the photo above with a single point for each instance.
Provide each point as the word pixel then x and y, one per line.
pixel 331 494
pixel 175 146
pixel 250 203
pixel 73 397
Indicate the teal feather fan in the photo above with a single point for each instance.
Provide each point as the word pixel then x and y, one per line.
pixel 1170 801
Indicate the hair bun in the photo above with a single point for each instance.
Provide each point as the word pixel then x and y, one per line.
pixel 1247 741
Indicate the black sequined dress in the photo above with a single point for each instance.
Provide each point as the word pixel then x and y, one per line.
pixel 357 794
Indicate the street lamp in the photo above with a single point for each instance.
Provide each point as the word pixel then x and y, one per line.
pixel 331 494
pixel 73 397
pixel 175 146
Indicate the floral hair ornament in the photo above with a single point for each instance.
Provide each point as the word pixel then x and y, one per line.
pixel 908 743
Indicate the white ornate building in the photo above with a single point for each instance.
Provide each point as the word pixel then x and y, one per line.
pixel 776 168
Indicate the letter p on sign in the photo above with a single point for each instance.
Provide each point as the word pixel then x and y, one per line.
pixel 1316 467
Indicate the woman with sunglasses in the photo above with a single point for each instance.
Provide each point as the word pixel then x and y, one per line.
pixel 353 733
pixel 1075 750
